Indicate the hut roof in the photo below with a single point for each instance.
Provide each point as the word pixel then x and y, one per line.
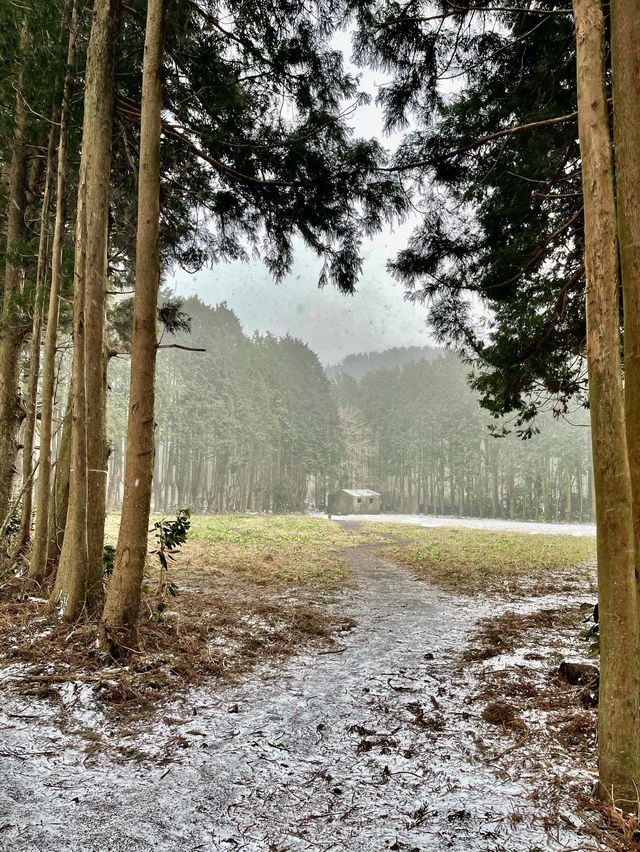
pixel 360 492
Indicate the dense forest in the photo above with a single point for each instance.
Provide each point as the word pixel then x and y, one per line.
pixel 256 424
pixel 361 363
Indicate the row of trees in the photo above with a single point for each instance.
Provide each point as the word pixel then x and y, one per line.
pixel 417 434
pixel 254 424
pixel 134 137
pixel 242 426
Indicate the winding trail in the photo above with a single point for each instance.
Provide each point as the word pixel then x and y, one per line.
pixel 367 747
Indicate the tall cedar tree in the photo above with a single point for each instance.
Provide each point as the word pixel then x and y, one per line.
pixel 619 694
pixel 38 560
pixel 120 618
pixel 13 325
pixel 79 575
pixel 31 72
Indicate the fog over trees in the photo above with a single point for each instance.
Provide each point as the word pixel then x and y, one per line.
pixel 256 424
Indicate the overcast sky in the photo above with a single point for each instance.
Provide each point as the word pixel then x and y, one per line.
pixel 375 318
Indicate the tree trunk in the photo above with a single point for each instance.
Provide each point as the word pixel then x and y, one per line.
pixel 12 332
pixel 618 712
pixel 625 68
pixel 120 619
pixel 81 557
pixel 99 105
pixel 59 502
pixel 37 567
pixel 34 354
pixel 70 589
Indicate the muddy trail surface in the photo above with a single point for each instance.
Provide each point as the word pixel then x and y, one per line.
pixel 369 746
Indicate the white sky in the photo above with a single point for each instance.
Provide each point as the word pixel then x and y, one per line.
pixel 375 318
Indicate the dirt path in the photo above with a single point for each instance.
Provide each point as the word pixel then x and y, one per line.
pixel 365 749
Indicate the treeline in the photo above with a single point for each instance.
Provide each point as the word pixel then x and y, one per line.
pixel 242 426
pixel 254 424
pixel 361 363
pixel 418 435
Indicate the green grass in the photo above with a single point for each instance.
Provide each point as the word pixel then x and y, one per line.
pixel 472 561
pixel 298 551
pixel 288 550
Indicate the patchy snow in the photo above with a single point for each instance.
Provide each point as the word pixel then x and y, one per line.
pixel 491 524
pixel 368 746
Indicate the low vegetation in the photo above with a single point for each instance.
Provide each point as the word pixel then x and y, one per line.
pixel 473 561
pixel 245 589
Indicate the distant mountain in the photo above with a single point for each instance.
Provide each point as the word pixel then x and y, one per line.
pixel 366 362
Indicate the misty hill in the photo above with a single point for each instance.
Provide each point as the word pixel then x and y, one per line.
pixel 363 363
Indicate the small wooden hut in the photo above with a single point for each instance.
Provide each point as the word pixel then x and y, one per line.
pixel 354 501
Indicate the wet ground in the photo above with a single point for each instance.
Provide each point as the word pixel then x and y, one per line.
pixel 495 524
pixel 367 746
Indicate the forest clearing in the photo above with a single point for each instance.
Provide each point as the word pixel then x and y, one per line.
pixel 422 707
pixel 353 562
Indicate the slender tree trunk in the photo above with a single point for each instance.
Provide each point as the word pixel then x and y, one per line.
pixel 59 502
pixel 106 23
pixel 580 490
pixel 12 330
pixel 618 711
pixel 120 619
pixel 81 558
pixel 34 352
pixel 37 567
pixel 546 487
pixel 70 589
pixel 625 67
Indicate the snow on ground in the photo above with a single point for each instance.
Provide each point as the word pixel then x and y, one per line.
pixel 369 746
pixel 491 524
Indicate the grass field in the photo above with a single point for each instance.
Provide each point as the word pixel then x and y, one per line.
pixel 471 561
pixel 302 552
pixel 250 588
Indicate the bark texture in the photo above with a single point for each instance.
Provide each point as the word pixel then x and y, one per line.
pixel 625 65
pixel 99 102
pixel 59 502
pixel 34 354
pixel 120 618
pixel 12 330
pixel 618 713
pixel 70 588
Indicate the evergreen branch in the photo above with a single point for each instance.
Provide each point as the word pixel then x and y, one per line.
pixel 516 9
pixel 457 10
pixel 246 44
pixel 179 346
pixel 558 309
pixel 515 131
pixel 540 251
pixel 484 140
pixel 226 171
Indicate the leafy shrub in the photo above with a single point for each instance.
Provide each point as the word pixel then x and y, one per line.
pixel 170 535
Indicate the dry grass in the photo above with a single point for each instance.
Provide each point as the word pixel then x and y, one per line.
pixel 474 561
pixel 541 714
pixel 249 589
